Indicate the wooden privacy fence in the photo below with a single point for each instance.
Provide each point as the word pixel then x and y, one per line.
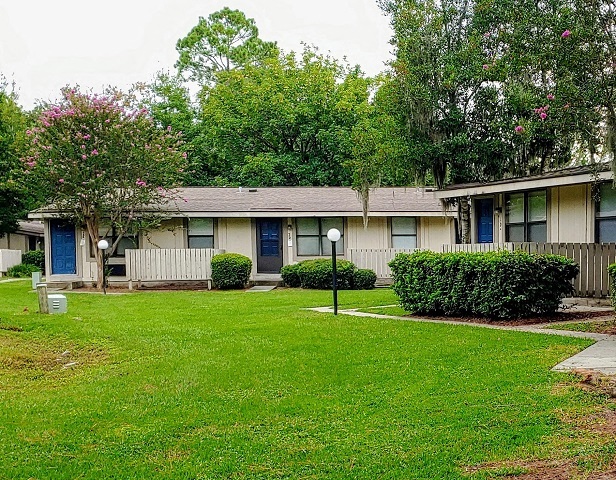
pixel 169 264
pixel 593 259
pixel 376 259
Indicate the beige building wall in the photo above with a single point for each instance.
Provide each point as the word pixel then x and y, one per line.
pixel 571 214
pixel 171 234
pixel 434 232
pixel 374 236
pixel 14 241
pixel 236 235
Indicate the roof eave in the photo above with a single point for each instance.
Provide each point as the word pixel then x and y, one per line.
pixel 520 185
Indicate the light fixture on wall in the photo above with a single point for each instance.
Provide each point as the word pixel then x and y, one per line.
pixel 82 242
pixel 498 209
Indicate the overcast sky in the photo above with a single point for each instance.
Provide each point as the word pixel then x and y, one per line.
pixel 46 44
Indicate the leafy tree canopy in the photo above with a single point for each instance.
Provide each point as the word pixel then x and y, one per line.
pixel 14 199
pixel 285 122
pixel 222 42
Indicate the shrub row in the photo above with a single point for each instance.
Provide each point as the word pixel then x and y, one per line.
pixel 493 284
pixel 317 274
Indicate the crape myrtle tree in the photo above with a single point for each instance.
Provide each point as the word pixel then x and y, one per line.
pixel 103 166
pixel 14 198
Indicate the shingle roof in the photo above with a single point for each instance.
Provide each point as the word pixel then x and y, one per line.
pixel 307 201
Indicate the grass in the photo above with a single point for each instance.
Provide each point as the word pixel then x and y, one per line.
pixel 238 385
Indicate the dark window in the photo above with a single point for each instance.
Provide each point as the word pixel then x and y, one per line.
pixel 404 232
pixel 606 214
pixel 526 217
pixel 200 233
pixel 312 236
pixel 128 241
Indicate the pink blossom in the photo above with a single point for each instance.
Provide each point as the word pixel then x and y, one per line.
pixel 95 152
pixel 485 66
pixel 31 164
pixel 543 115
pixel 184 154
pixel 61 180
pixel 169 128
pixel 83 147
pixel 566 34
pixel 566 105
pixel 83 157
pixel 28 132
pixel 86 137
pixel 519 129
pixel 550 96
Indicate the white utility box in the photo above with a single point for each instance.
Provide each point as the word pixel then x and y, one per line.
pixel 57 303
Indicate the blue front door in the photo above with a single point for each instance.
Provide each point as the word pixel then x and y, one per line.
pixel 63 254
pixel 485 220
pixel 269 246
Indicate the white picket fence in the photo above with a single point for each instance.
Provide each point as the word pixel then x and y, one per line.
pixel 169 264
pixel 376 259
pixel 8 259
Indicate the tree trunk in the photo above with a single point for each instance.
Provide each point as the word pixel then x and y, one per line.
pixel 92 227
pixel 465 220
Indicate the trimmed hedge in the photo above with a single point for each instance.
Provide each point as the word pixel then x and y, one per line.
pixel 23 270
pixel 317 274
pixel 492 284
pixel 230 270
pixel 364 279
pixel 34 257
pixel 290 275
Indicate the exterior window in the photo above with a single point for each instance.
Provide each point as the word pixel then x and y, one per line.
pixel 526 217
pixel 200 233
pixel 404 232
pixel 128 241
pixel 606 214
pixel 312 236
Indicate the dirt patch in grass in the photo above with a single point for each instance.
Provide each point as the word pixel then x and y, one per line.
pixel 19 354
pixel 596 430
pixel 565 316
pixel 542 470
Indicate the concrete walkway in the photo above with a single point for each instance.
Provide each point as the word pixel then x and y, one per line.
pixel 600 357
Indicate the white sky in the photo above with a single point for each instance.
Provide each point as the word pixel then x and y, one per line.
pixel 47 44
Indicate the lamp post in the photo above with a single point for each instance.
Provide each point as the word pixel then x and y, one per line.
pixel 103 245
pixel 334 235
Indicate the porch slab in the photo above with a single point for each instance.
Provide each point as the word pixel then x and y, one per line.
pixel 261 288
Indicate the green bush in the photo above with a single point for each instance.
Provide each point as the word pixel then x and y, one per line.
pixel 364 279
pixel 290 275
pixel 23 270
pixel 493 284
pixel 317 274
pixel 34 257
pixel 230 270
pixel 612 272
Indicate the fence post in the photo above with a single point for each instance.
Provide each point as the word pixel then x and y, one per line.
pixel 41 290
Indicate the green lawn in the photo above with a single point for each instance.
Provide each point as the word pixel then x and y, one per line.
pixel 249 385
